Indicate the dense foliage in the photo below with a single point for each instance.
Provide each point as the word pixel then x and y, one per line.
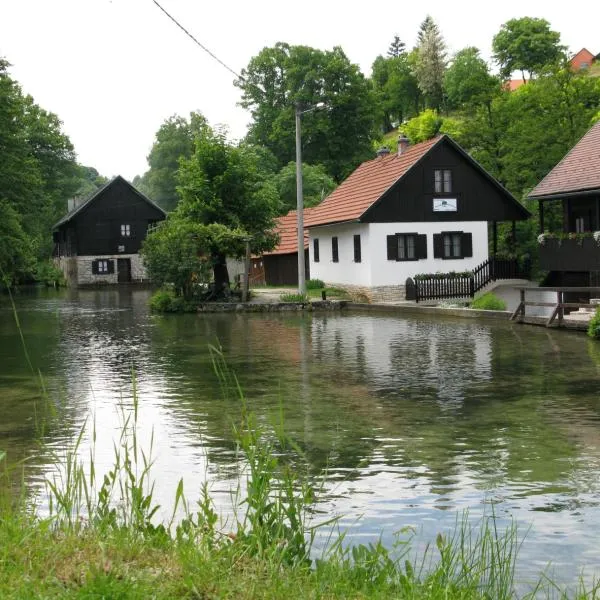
pixel 227 198
pixel 594 326
pixel 284 77
pixel 38 173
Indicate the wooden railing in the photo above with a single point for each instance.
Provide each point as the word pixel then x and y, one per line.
pixel 449 285
pixel 558 312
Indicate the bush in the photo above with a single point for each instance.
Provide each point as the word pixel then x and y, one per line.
pixel 166 301
pixel 49 274
pixel 293 298
pixel 488 301
pixel 594 327
pixel 314 284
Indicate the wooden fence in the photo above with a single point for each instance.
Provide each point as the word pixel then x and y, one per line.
pixel 448 285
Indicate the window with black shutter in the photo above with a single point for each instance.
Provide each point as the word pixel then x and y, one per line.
pixel 357 250
pixel 316 250
pixel 103 266
pixel 334 250
pixel 406 246
pixel 452 245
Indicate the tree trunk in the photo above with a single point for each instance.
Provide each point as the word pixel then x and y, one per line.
pixel 220 272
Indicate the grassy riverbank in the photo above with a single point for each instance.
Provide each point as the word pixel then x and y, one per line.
pixel 101 537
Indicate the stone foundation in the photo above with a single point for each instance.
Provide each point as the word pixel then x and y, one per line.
pixel 373 295
pixel 78 269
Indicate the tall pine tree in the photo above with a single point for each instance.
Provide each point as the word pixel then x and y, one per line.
pixel 430 66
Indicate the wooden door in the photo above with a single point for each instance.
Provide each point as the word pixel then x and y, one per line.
pixel 123 270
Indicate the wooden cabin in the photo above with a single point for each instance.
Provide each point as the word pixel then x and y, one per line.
pixel 570 252
pixel 98 241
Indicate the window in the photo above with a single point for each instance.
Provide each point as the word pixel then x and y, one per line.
pixel 357 249
pixel 125 230
pixel 452 245
pixel 316 249
pixel 580 224
pixel 334 250
pixel 406 246
pixel 103 266
pixel 442 181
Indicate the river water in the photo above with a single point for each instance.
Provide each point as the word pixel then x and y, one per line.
pixel 411 420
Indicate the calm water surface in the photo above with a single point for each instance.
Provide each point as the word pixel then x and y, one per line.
pixel 412 420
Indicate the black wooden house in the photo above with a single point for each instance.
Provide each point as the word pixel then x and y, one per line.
pixel 99 239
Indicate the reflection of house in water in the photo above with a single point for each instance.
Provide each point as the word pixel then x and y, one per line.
pixel 407 357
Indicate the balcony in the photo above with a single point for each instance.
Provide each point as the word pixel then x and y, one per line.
pixel 581 252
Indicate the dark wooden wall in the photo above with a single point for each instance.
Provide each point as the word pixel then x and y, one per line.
pixel 411 199
pixel 96 230
pixel 282 269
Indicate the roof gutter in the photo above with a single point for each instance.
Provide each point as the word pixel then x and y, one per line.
pixel 594 192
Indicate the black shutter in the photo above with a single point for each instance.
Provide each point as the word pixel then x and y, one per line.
pixel 316 250
pixel 466 245
pixel 438 245
pixel 392 247
pixel 421 246
pixel 334 249
pixel 111 266
pixel 357 253
pixel 94 267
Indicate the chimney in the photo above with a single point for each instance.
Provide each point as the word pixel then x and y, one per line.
pixel 73 203
pixel 383 151
pixel 403 144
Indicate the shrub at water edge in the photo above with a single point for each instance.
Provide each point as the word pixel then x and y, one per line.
pixel 488 301
pixel 594 327
pixel 293 298
pixel 314 284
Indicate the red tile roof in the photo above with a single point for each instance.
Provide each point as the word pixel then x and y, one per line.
pixel 513 84
pixel 366 185
pixel 288 233
pixel 578 170
pixel 583 58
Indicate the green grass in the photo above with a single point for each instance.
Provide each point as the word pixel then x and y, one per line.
pixel 293 298
pixel 332 293
pixel 488 301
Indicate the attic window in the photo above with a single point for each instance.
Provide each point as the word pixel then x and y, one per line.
pixel 442 181
pixel 126 230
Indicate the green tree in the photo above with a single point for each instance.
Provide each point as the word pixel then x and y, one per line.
pixel 179 253
pixel 396 90
pixel 228 185
pixel 468 82
pixel 174 140
pixel 397 48
pixel 38 173
pixel 430 65
pixel 527 45
pixel 316 184
pixel 280 78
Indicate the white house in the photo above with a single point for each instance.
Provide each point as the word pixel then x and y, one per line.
pixel 425 209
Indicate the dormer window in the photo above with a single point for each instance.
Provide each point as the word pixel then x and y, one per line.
pixel 442 181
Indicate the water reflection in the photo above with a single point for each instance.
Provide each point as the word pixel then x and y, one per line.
pixel 409 419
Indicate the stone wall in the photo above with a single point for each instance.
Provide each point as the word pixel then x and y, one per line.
pixel 373 295
pixel 78 269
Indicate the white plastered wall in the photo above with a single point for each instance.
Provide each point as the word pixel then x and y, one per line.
pixel 375 269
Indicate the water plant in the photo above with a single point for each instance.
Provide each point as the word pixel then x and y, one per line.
pixel 488 301
pixel 594 326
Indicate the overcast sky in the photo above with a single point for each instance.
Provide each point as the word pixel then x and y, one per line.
pixel 114 70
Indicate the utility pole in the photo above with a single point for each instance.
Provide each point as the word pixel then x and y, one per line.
pixel 300 207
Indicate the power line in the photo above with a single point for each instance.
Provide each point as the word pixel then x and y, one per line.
pixel 212 54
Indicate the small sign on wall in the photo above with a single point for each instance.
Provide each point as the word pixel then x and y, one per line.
pixel 444 204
